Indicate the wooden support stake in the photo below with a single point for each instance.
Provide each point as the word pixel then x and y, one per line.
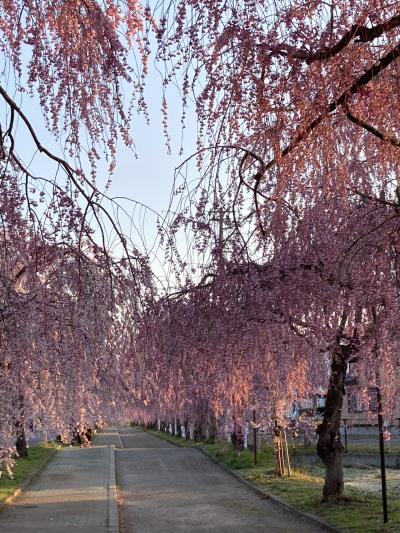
pixel 287 455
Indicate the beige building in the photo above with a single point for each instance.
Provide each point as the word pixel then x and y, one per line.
pixel 360 405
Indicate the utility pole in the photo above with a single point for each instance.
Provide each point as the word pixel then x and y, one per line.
pixel 382 454
pixel 254 437
pixel 221 237
pixel 380 426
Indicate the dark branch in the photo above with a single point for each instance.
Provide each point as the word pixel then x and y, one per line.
pixel 363 80
pixel 73 176
pixel 358 33
pixel 385 137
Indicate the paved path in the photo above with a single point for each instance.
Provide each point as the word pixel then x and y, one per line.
pixel 70 495
pixel 163 489
pixel 166 489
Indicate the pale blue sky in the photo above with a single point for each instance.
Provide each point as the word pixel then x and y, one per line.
pixel 147 178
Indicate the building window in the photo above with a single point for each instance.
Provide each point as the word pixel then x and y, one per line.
pixel 373 399
pixel 362 403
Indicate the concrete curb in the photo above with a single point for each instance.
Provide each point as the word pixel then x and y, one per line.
pixel 113 517
pixel 312 519
pixel 27 481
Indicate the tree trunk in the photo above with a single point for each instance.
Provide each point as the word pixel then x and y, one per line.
pixel 178 427
pixel 199 433
pixel 21 444
pixel 187 430
pixel 212 427
pixel 329 446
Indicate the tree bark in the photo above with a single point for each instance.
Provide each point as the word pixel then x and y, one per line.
pixel 199 430
pixel 329 446
pixel 178 427
pixel 212 427
pixel 187 431
pixel 21 444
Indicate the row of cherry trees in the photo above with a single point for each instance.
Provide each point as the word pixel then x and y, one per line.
pixel 68 305
pixel 298 149
pixel 255 334
pixel 67 316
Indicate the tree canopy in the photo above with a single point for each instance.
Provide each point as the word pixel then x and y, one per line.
pixel 293 209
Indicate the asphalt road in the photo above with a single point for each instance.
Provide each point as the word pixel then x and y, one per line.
pixel 166 489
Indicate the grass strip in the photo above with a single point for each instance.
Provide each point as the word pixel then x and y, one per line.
pixel 357 512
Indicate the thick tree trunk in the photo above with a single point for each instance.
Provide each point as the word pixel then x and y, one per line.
pixel 329 446
pixel 199 430
pixel 212 427
pixel 21 444
pixel 187 429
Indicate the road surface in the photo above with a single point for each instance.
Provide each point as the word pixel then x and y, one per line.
pixel 167 489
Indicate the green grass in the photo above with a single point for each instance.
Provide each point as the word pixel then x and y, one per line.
pixel 223 452
pixel 299 446
pixel 172 438
pixel 229 457
pixel 356 513
pixel 360 447
pixel 24 467
pixel 370 448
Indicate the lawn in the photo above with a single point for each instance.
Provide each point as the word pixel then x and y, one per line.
pixel 359 512
pixel 171 438
pixel 24 467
